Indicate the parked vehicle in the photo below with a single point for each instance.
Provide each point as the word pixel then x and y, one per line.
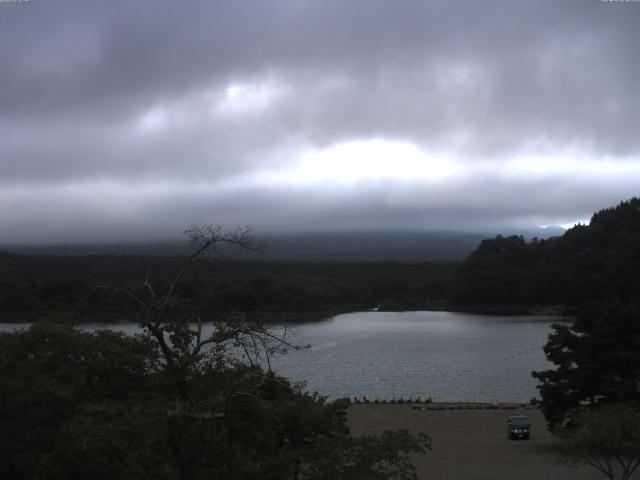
pixel 518 427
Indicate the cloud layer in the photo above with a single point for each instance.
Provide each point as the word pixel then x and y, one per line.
pixel 124 120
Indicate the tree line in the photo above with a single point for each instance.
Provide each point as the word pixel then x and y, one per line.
pixel 31 286
pixel 589 263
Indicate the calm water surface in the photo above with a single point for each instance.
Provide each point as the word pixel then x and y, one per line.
pixel 449 356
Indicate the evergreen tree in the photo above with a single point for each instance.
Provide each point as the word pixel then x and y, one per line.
pixel 597 362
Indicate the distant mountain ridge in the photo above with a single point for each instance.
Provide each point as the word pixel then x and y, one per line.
pixel 325 246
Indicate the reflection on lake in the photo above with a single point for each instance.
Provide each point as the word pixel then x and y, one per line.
pixel 450 356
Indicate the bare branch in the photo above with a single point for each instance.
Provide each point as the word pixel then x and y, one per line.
pixel 126 292
pixel 147 284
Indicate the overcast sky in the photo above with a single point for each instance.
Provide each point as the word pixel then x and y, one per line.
pixel 131 120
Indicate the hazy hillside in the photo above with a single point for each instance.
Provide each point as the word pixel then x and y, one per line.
pixel 588 263
pixel 369 246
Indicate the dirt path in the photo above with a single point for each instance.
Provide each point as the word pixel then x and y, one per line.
pixel 472 444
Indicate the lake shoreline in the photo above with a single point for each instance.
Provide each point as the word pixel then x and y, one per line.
pixel 207 317
pixel 442 405
pixel 292 317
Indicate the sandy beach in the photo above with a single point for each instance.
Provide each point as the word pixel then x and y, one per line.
pixel 472 444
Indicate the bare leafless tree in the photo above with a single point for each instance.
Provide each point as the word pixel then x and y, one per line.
pixel 178 330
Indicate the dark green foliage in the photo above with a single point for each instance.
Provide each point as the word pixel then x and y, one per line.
pixel 608 440
pixel 597 362
pixel 31 285
pixel 368 458
pixel 48 373
pixel 102 406
pixel 588 263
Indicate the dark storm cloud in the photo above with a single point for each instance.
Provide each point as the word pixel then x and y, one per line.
pixel 102 99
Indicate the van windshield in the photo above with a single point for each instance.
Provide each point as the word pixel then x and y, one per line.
pixel 520 421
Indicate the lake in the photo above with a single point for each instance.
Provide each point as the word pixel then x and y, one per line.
pixel 448 356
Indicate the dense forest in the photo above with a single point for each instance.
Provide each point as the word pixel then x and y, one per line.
pixel 589 263
pixel 596 359
pixel 36 285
